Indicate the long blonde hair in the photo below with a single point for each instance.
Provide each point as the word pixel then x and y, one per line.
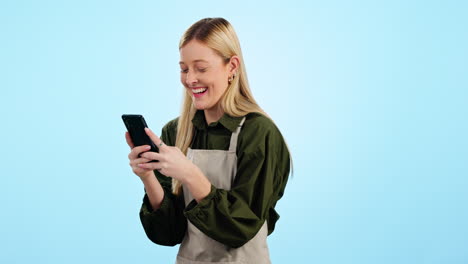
pixel 237 100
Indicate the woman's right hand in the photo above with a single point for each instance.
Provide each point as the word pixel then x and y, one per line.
pixel 135 160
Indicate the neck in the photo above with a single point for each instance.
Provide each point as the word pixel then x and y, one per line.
pixel 213 115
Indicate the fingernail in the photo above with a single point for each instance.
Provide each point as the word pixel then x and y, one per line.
pixel 147 147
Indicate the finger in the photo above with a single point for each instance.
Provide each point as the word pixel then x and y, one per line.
pixel 129 140
pixel 150 165
pixel 139 170
pixel 151 155
pixel 135 162
pixel 137 151
pixel 154 137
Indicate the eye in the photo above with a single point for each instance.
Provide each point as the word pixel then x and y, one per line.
pixel 183 70
pixel 202 69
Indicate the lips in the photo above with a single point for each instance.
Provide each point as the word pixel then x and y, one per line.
pixel 199 91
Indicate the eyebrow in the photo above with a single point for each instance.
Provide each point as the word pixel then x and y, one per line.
pixel 199 60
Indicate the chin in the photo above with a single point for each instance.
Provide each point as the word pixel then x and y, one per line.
pixel 199 106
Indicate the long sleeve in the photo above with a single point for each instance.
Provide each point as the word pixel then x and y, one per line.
pixel 234 217
pixel 167 225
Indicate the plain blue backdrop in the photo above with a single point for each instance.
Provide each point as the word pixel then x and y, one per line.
pixel 370 95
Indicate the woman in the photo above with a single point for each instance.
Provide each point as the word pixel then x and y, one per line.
pixel 222 164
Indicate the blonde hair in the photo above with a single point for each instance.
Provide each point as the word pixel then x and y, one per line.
pixel 237 100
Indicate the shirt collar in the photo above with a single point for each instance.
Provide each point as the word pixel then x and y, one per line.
pixel 226 120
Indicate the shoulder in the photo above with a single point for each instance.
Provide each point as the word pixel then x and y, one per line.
pixel 258 121
pixel 169 132
pixel 260 140
pixel 171 126
pixel 260 132
pixel 260 124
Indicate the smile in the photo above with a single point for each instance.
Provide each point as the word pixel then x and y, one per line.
pixel 199 91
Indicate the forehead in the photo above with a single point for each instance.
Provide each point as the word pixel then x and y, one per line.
pixel 195 51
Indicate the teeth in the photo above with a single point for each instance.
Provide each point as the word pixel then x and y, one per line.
pixel 199 90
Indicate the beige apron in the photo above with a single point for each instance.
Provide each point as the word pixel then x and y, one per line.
pixel 220 167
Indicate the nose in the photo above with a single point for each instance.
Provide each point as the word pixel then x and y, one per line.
pixel 191 79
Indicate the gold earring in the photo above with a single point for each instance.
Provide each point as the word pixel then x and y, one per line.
pixel 231 78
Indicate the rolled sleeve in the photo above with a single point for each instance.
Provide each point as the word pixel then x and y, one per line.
pixel 166 225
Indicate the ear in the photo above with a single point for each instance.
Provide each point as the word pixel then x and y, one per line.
pixel 233 64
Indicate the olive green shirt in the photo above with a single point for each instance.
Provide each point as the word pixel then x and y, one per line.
pixel 230 217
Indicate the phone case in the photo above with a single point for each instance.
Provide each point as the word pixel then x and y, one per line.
pixel 135 125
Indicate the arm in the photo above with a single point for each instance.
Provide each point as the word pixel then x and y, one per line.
pixel 154 191
pixel 161 212
pixel 166 225
pixel 197 183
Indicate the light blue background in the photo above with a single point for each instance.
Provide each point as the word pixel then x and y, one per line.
pixel 370 95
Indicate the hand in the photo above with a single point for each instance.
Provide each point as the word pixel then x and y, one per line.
pixel 172 162
pixel 141 172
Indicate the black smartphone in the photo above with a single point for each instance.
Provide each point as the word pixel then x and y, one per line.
pixel 136 128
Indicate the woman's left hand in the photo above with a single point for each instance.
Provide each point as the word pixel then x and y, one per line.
pixel 171 161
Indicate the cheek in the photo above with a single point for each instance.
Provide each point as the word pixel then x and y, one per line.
pixel 219 81
pixel 221 85
pixel 182 79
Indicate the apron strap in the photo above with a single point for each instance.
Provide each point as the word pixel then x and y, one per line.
pixel 235 134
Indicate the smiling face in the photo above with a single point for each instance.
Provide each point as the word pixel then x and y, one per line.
pixel 204 74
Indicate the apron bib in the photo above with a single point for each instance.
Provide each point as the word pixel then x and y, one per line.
pixel 220 167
